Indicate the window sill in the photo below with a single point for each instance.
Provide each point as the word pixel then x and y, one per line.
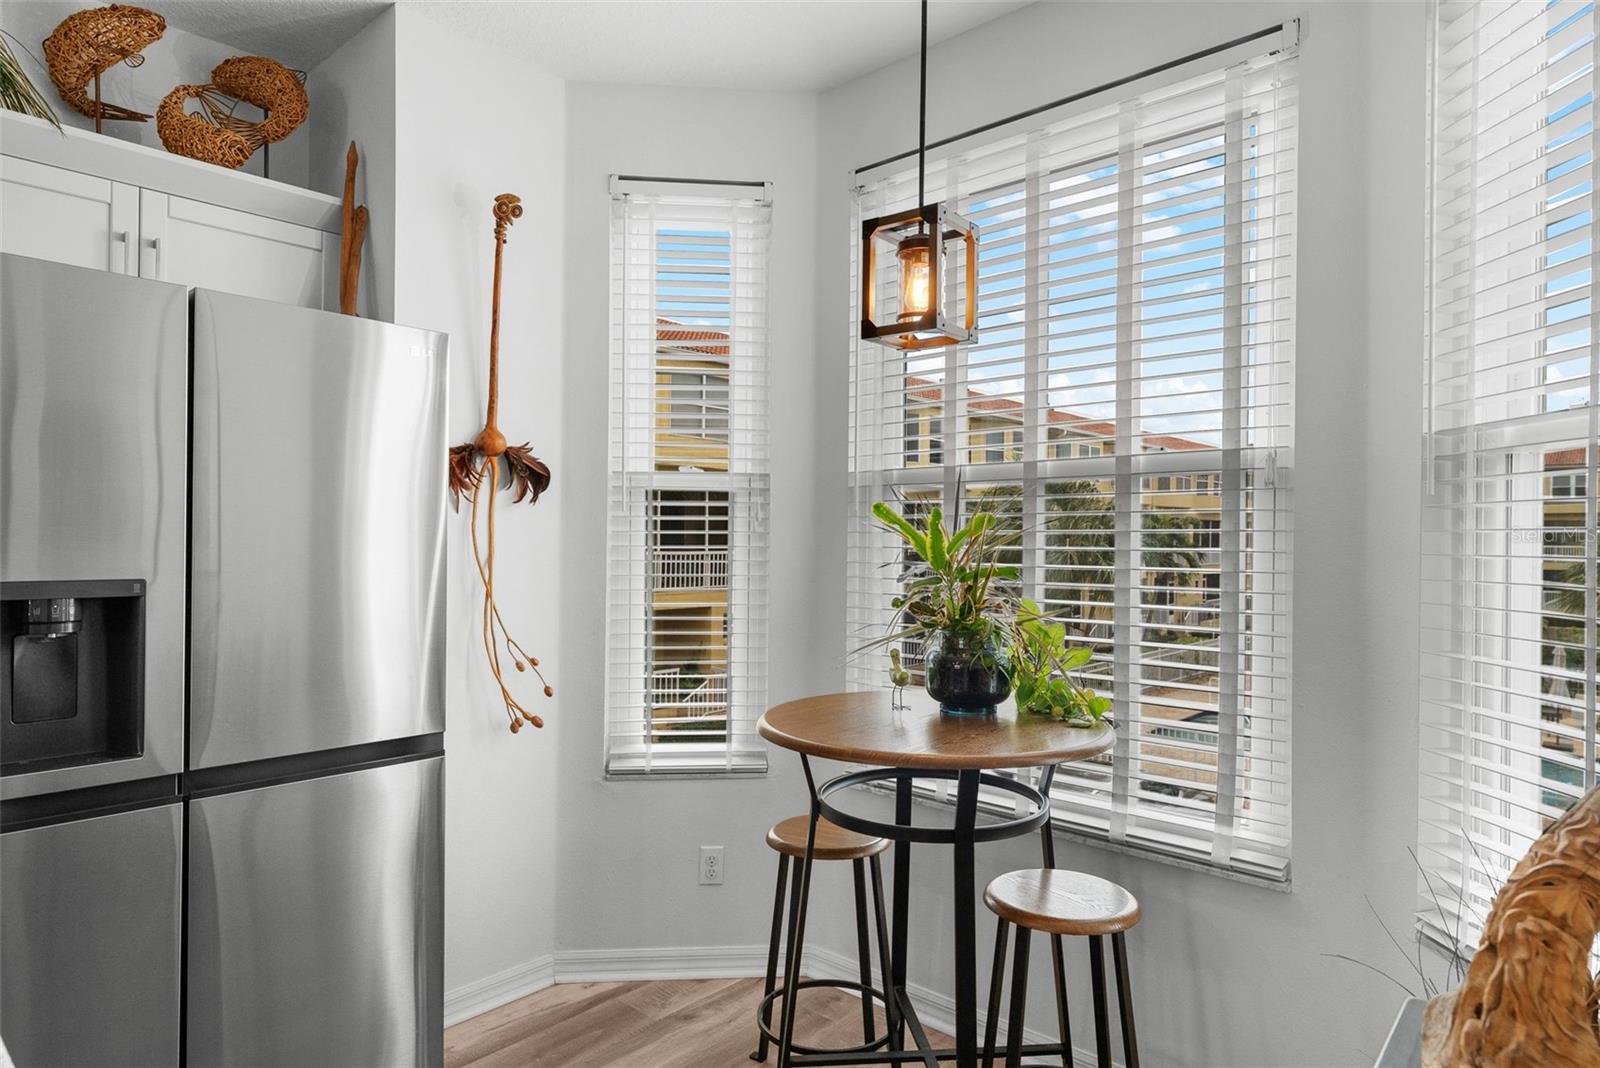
pixel 635 767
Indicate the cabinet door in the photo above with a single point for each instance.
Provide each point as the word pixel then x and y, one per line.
pixel 54 214
pixel 197 244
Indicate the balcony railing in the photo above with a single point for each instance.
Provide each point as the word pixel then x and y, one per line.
pixel 690 569
pixel 690 695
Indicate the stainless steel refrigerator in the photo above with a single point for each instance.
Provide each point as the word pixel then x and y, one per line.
pixel 301 877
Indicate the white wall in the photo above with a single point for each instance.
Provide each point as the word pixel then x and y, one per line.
pixel 353 94
pixel 629 849
pixel 177 58
pixel 492 123
pixel 1227 973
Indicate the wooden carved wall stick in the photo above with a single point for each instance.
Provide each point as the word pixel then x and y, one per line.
pixel 1528 997
pixel 476 470
pixel 353 232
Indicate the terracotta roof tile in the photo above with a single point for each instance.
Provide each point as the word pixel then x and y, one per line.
pixel 924 389
pixel 683 333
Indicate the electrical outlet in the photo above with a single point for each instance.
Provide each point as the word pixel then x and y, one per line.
pixel 710 865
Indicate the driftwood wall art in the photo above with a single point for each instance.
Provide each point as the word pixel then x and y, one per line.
pixel 86 44
pixel 1529 997
pixel 476 470
pixel 353 233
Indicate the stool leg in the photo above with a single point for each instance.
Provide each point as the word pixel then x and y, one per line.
pixel 772 956
pixel 1130 1041
pixel 1063 1020
pixel 797 935
pixel 1102 1026
pixel 863 949
pixel 891 1005
pixel 997 981
pixel 1019 999
pixel 1057 960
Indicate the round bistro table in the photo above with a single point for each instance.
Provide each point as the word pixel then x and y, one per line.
pixel 904 743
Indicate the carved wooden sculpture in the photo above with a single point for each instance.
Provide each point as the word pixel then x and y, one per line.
pixel 476 469
pixel 353 233
pixel 1529 997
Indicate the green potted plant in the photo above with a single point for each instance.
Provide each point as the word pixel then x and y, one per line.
pixel 1042 667
pixel 957 602
pixel 980 639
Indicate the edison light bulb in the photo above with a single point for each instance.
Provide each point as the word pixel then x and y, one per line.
pixel 914 293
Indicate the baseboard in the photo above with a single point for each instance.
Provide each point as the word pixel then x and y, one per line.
pixel 665 962
pixel 935 1008
pixel 499 989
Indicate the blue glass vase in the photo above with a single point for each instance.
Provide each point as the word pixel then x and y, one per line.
pixel 967 673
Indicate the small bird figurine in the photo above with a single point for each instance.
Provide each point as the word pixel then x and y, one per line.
pixel 900 677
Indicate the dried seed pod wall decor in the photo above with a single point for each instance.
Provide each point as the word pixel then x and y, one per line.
pixel 476 470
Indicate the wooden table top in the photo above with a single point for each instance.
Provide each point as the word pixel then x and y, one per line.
pixel 863 728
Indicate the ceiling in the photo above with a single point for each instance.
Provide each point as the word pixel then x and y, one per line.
pixel 297 33
pixel 721 44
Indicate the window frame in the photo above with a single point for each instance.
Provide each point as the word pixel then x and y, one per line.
pixel 652 461
pixel 1037 460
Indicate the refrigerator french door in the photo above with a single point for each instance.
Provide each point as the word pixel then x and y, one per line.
pixel 316 704
pixel 93 420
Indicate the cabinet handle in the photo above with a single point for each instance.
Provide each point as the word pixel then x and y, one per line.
pixel 155 247
pixel 121 237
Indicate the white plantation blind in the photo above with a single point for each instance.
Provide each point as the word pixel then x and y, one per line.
pixel 1127 409
pixel 1509 523
pixel 686 598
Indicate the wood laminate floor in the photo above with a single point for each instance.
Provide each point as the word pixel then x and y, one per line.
pixel 700 1023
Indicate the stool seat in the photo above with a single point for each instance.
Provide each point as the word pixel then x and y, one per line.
pixel 1062 902
pixel 833 841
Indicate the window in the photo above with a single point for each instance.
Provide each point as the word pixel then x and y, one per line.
pixel 687 536
pixel 1126 409
pixel 1510 516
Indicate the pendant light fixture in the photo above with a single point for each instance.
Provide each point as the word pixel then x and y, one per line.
pixel 907 261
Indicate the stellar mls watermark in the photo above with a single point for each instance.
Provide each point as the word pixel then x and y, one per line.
pixel 1552 537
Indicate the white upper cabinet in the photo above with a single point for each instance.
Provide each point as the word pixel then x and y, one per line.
pixel 54 214
pixel 197 244
pixel 75 197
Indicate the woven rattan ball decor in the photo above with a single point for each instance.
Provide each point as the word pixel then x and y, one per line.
pixel 215 134
pixel 88 43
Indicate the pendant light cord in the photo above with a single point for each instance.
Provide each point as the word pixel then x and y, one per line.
pixel 922 115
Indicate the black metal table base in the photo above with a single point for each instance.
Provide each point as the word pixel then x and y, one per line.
pixel 962 837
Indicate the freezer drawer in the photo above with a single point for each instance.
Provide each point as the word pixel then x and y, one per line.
pixel 317 614
pixel 316 922
pixel 89 928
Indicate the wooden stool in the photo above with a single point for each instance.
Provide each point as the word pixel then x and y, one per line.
pixel 1061 903
pixel 788 838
